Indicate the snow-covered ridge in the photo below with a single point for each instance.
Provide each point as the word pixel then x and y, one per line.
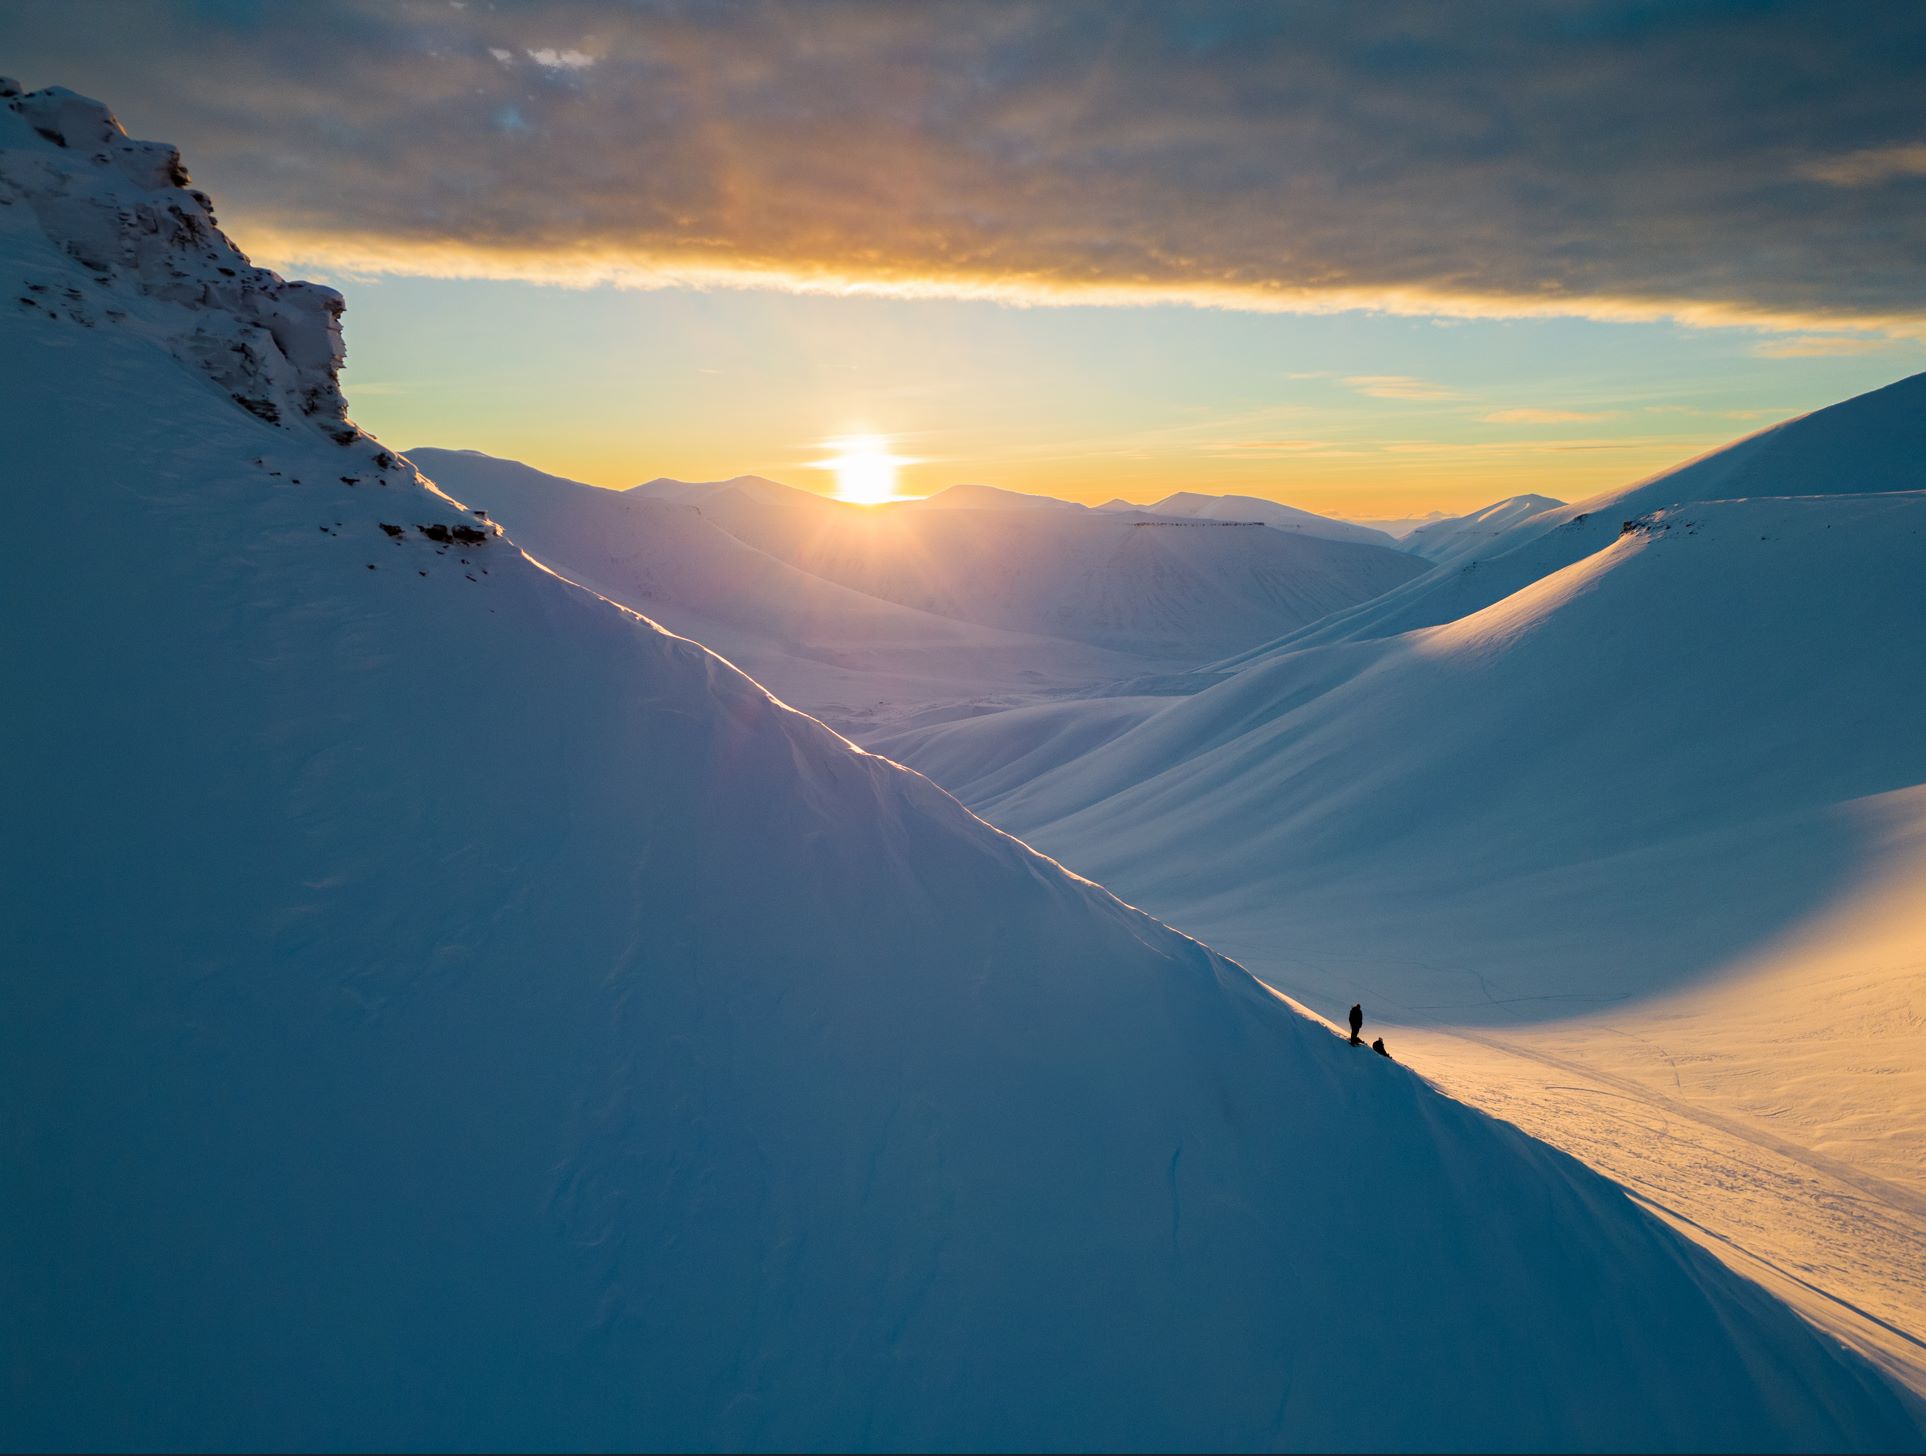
pixel 1871 442
pixel 1456 537
pixel 124 211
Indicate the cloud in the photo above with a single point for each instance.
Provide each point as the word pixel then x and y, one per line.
pixel 1544 416
pixel 1870 167
pixel 1819 346
pixel 555 60
pixel 1404 157
pixel 1397 386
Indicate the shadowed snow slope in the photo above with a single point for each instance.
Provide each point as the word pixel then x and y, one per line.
pixel 444 1010
pixel 844 656
pixel 1873 442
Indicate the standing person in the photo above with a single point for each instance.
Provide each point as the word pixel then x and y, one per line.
pixel 1357 1022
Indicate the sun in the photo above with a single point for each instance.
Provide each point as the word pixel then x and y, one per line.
pixel 865 469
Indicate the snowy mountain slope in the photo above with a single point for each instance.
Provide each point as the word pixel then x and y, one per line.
pixel 1626 808
pixel 1271 513
pixel 1873 442
pixel 851 659
pixel 446 1010
pixel 756 487
pixel 986 754
pixel 1636 699
pixel 1451 540
pixel 1174 591
pixel 972 497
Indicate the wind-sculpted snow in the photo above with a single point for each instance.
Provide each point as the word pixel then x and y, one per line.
pixel 444 1010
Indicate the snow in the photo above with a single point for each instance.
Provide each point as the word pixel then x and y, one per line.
pixel 1873 442
pixel 1446 542
pixel 877 617
pixel 446 1010
pixel 1275 514
pixel 1637 845
pixel 973 497
pixel 853 660
pixel 1173 592
pixel 696 492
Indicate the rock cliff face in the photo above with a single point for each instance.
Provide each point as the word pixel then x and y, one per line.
pixel 124 211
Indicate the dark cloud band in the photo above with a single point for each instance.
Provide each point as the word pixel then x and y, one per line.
pixel 1722 162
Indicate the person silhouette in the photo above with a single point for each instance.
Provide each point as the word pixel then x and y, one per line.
pixel 1357 1023
pixel 1378 1047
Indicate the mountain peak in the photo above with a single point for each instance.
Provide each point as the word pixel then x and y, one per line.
pixel 971 496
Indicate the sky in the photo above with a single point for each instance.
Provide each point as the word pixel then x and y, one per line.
pixel 1372 260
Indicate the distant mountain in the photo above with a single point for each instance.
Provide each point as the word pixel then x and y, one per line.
pixel 1271 513
pixel 1398 527
pixel 838 653
pixel 1874 442
pixel 1170 590
pixel 694 492
pixel 444 1011
pixel 1453 538
pixel 970 497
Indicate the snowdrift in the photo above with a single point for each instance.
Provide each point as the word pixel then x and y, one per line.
pixel 445 1010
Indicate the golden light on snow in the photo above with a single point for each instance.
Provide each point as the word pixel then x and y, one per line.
pixel 865 469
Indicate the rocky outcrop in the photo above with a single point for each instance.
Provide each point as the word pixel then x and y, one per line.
pixel 124 211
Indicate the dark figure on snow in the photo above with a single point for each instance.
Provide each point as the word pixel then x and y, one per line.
pixel 1357 1023
pixel 1378 1047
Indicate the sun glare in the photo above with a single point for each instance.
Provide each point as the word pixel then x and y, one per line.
pixel 865 469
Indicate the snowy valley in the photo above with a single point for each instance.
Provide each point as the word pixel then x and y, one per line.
pixel 450 1006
